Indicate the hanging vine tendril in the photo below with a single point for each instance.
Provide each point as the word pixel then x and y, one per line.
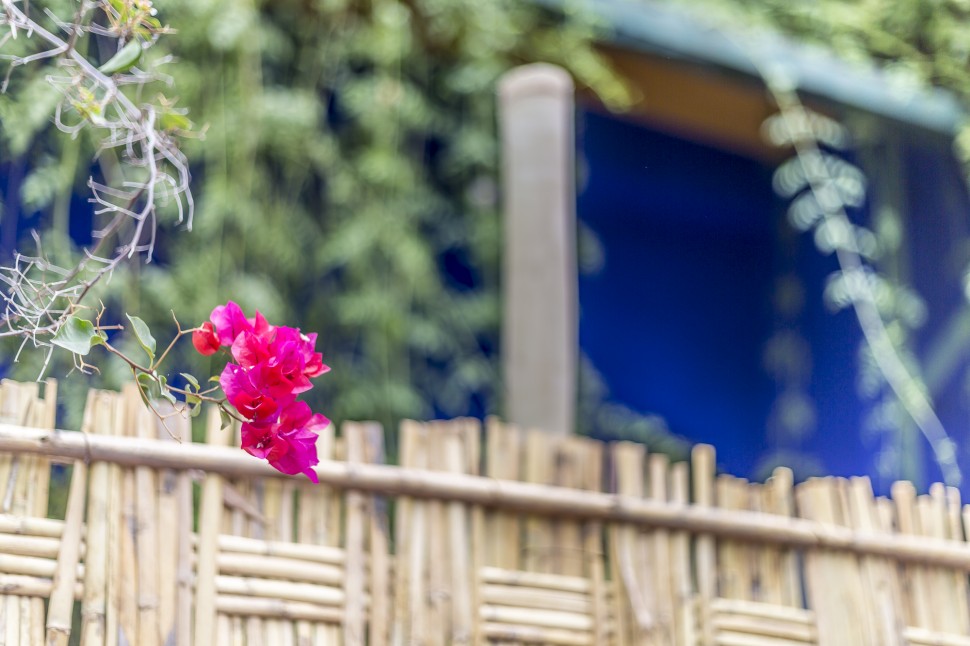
pixel 824 186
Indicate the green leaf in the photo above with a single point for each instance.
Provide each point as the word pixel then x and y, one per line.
pixel 194 403
pixel 124 60
pixel 144 335
pixel 174 121
pixel 148 385
pixel 77 335
pixel 164 392
pixel 226 420
pixel 192 380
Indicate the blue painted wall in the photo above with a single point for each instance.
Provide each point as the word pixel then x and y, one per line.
pixel 677 318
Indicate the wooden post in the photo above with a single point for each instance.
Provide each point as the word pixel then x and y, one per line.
pixel 539 334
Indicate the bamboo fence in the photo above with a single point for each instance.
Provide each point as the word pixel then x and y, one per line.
pixel 496 537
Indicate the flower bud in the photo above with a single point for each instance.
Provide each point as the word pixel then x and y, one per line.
pixel 205 339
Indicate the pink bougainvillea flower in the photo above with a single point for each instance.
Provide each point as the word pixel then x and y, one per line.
pixel 286 363
pixel 205 339
pixel 229 321
pixel 312 360
pixel 250 349
pixel 258 394
pixel 289 444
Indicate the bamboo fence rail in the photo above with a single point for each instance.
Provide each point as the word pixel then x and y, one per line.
pixel 496 537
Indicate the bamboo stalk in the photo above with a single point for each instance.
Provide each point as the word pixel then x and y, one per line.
pixel 26 545
pixel 210 516
pixel 415 556
pixel 11 614
pixel 535 579
pixel 437 557
pixel 119 610
pixel 680 555
pixel 36 633
pixel 257 547
pixel 733 576
pixel 13 410
pixel 168 554
pixel 634 608
pixel 279 567
pixel 702 474
pixel 904 500
pixel 125 566
pixel 277 609
pixel 536 598
pixel 950 587
pixel 462 582
pixel 380 565
pixel 762 627
pixel 535 617
pixel 93 606
pixel 253 630
pixel 782 503
pixel 353 593
pixel 23 585
pixel 594 546
pixel 400 624
pixel 932 513
pixel 538 552
pixel 146 534
pixel 535 635
pixel 31 566
pixel 503 462
pixel 46 418
pixel 765 610
pixel 272 508
pixel 477 557
pixel 43 527
pixel 726 638
pixel 923 637
pixel 665 633
pixel 286 590
pixel 67 570
pixel 224 630
pixel 567 470
pixel 184 600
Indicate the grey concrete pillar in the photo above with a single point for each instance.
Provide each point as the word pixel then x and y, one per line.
pixel 539 332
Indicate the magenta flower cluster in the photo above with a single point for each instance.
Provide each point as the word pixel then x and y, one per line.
pixel 273 364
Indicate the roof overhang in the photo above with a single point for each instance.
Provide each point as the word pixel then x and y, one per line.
pixel 650 28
